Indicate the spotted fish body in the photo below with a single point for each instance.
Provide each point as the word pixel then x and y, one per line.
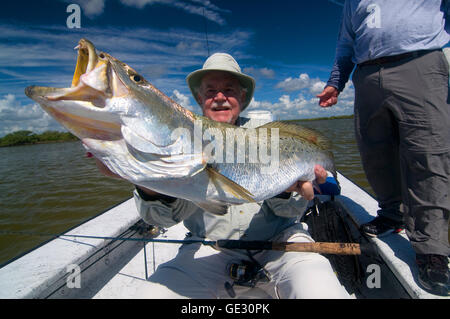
pixel 145 137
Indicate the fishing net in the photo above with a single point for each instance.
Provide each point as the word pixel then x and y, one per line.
pixel 328 222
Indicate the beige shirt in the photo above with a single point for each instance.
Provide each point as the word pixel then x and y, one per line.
pixel 246 221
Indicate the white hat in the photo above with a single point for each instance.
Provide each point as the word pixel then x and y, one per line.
pixel 222 62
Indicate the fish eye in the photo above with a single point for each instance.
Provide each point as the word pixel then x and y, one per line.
pixel 136 78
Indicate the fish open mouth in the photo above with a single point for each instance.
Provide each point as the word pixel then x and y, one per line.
pixel 90 80
pixel 86 60
pixel 80 107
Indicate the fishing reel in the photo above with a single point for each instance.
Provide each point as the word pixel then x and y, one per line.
pixel 147 231
pixel 246 274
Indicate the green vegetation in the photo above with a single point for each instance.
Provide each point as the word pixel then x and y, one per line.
pixel 28 137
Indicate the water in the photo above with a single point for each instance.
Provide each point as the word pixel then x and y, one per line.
pixel 52 187
pixel 345 150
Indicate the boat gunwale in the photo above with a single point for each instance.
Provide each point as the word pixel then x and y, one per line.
pixel 56 236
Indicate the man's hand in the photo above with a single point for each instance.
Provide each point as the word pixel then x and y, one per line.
pixel 306 189
pixel 328 97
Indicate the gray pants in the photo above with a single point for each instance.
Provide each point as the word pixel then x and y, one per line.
pixel 402 124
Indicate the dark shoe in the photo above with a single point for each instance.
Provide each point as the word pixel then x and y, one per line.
pixel 381 226
pixel 433 273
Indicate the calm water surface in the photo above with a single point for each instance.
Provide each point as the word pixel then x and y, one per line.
pixel 52 187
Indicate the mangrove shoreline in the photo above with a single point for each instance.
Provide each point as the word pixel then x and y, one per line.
pixel 29 138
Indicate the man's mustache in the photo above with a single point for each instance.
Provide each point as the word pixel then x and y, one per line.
pixel 219 107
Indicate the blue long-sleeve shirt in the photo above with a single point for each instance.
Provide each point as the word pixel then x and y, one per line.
pixel 371 29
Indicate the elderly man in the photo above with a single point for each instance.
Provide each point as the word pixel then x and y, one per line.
pixel 200 271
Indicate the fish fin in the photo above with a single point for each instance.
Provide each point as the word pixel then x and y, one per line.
pixel 292 129
pixel 213 207
pixel 228 186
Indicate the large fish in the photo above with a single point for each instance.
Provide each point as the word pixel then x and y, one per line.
pixel 145 137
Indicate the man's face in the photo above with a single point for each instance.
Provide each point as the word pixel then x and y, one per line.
pixel 221 96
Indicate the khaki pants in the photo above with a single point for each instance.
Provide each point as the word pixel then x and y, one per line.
pixel 402 126
pixel 200 271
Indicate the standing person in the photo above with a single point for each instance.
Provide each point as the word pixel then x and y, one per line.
pixel 402 118
pixel 201 271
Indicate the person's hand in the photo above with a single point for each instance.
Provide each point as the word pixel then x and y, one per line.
pixel 328 97
pixel 306 189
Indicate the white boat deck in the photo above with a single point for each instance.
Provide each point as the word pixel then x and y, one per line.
pixel 41 272
pixel 116 269
pixel 127 282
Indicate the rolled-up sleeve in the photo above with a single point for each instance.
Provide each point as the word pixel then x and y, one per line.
pixel 159 213
pixel 343 65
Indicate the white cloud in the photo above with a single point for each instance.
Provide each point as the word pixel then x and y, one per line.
pixel 45 56
pixel 154 71
pixel 189 46
pixel 317 87
pixel 183 100
pixel 348 93
pixel 314 85
pixel 305 104
pixel 285 107
pixel 197 7
pixel 90 8
pixel 304 83
pixel 208 4
pixel 15 116
pixel 52 45
pixel 94 8
pixel 260 72
pixel 294 84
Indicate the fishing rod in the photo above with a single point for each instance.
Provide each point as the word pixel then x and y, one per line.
pixel 316 247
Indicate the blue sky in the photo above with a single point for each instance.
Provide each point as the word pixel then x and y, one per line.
pixel 286 45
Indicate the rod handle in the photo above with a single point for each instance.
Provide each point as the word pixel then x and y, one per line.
pixel 320 247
